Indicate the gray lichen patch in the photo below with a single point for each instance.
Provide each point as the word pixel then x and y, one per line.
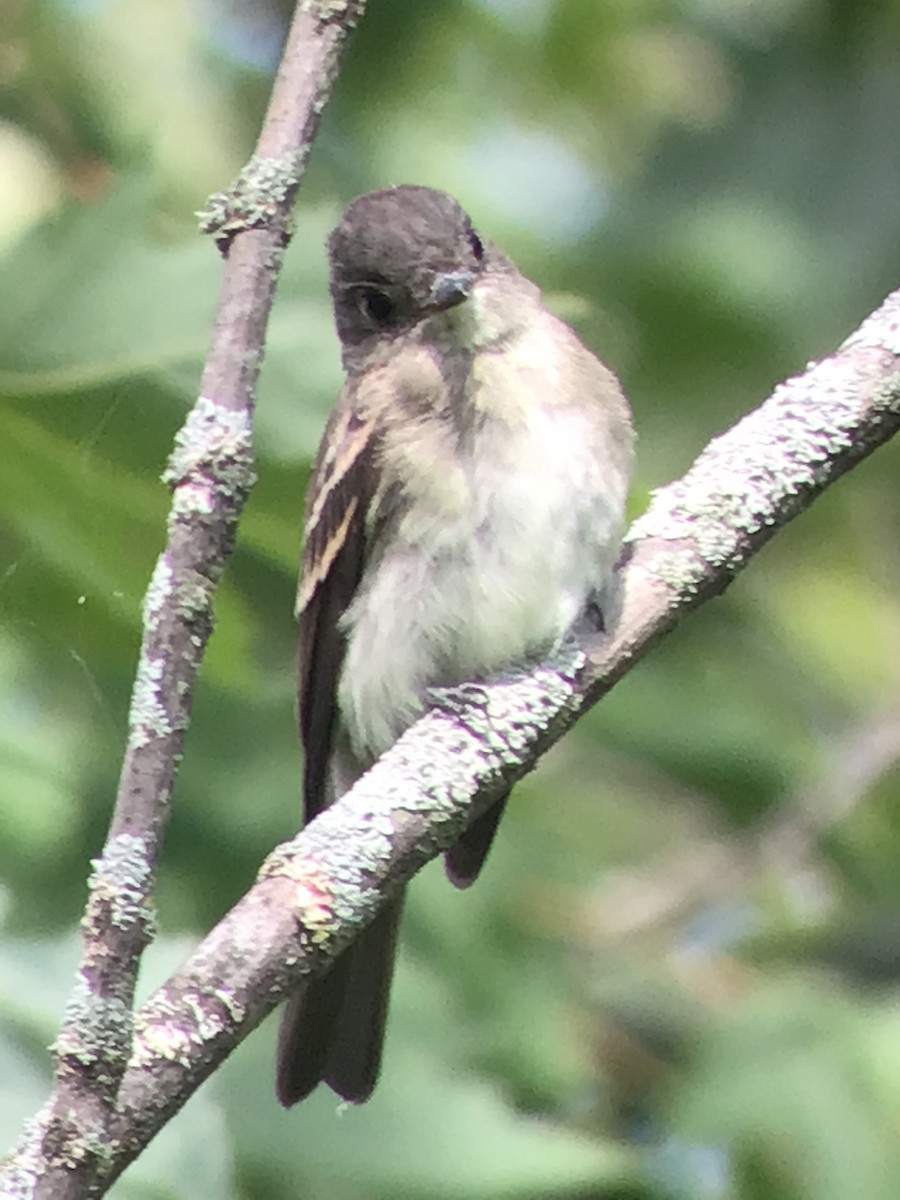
pixel 312 891
pixel 193 598
pixel 257 198
pixel 80 1140
pixel 148 716
pixel 167 1039
pixel 159 591
pixel 95 1031
pixel 119 898
pixel 333 10
pixel 121 882
pixel 214 447
pixel 169 1028
pixel 887 396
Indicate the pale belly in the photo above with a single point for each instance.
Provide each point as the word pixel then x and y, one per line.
pixel 489 573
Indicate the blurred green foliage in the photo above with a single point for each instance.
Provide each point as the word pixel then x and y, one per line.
pixel 678 977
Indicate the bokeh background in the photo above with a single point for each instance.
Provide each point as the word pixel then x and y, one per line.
pixel 678 976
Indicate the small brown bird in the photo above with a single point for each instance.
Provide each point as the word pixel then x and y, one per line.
pixel 466 506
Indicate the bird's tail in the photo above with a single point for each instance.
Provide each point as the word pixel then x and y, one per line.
pixel 332 1029
pixel 465 858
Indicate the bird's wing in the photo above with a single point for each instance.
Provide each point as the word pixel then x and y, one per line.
pixel 333 556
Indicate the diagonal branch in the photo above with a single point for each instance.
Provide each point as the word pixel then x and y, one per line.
pixel 70 1147
pixel 315 892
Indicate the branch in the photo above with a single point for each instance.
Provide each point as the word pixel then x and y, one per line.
pixel 315 892
pixel 69 1149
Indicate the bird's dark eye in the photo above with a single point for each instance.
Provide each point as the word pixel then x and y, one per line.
pixel 475 243
pixel 376 306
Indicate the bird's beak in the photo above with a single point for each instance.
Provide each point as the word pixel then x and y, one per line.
pixel 451 288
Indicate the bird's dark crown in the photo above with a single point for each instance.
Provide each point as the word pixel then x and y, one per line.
pixel 390 254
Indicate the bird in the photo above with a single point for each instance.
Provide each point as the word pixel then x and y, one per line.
pixel 465 510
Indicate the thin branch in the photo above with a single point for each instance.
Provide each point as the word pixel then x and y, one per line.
pixel 314 893
pixel 70 1147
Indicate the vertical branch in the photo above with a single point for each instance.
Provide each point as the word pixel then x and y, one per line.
pixel 68 1150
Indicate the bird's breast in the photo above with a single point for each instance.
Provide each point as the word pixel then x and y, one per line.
pixel 500 518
